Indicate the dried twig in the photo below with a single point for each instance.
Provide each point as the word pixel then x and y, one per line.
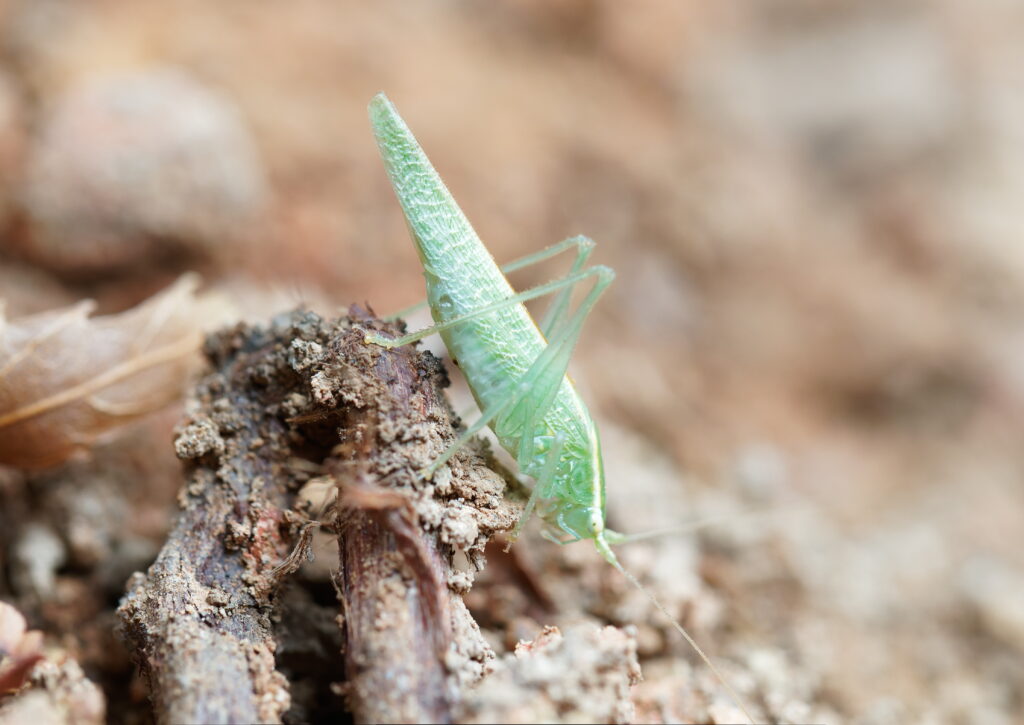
pixel 397 619
pixel 199 619
pixel 396 535
pixel 313 393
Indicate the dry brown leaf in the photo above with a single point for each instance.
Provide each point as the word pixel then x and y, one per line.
pixel 66 378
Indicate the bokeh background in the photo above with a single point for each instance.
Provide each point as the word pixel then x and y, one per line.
pixel 815 211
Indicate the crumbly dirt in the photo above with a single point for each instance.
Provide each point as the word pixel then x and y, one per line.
pixel 284 402
pixel 584 675
pixel 56 693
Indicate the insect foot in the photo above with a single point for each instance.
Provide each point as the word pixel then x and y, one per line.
pixel 375 338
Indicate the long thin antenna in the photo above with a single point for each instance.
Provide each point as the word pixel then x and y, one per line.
pixel 616 539
pixel 609 555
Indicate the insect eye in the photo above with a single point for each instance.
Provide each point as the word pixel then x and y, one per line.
pixel 445 303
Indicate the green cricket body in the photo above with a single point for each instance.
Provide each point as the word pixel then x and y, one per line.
pixel 494 351
pixel 502 353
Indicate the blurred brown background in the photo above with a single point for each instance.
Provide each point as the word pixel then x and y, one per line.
pixel 815 210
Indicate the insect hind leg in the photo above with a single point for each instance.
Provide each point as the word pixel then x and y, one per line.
pixel 562 286
pixel 548 378
pixel 584 246
pixel 530 398
pixel 540 486
pixel 548 368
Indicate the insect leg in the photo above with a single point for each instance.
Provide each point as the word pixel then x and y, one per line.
pixel 560 305
pixel 552 364
pixel 584 245
pixel 532 293
pixel 531 396
pixel 541 484
pixel 579 241
pixel 487 416
pixel 548 368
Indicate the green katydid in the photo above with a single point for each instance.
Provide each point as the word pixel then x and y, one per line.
pixel 515 369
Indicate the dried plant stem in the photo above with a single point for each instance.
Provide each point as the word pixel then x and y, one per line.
pixel 282 405
pixel 200 618
pixel 393 577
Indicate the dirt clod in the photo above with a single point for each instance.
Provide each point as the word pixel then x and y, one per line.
pixel 582 675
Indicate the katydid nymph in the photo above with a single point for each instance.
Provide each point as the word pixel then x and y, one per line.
pixel 515 368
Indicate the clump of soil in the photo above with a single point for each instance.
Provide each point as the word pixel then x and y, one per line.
pixel 582 675
pixel 302 399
